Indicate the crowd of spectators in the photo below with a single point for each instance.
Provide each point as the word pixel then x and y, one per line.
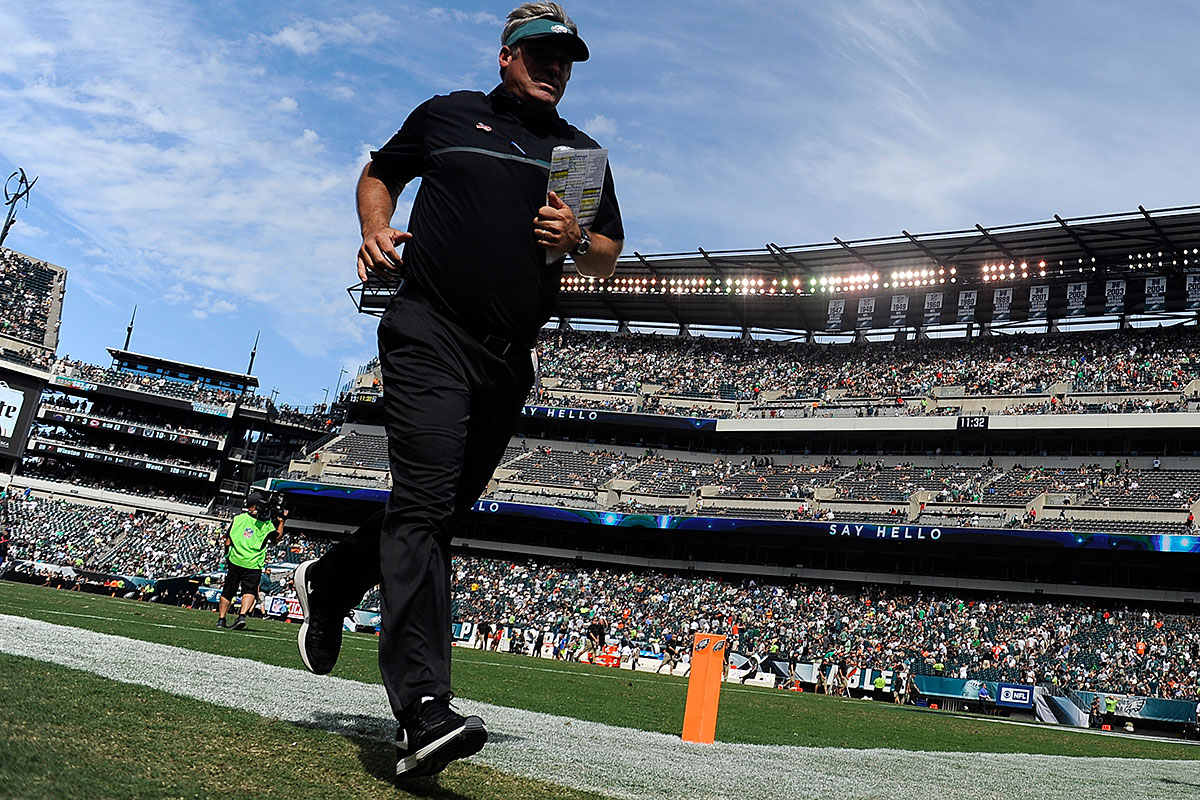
pixel 1073 406
pixel 125 379
pixel 100 538
pixel 69 474
pixel 1073 645
pixel 1159 360
pixel 26 297
pixel 37 358
pixel 78 439
pixel 118 412
pixel 316 417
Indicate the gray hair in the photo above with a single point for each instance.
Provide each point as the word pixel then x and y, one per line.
pixel 528 11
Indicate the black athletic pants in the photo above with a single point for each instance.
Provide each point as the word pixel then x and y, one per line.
pixel 451 406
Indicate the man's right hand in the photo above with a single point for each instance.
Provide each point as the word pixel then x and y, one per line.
pixel 378 254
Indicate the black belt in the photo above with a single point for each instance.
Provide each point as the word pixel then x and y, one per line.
pixel 496 345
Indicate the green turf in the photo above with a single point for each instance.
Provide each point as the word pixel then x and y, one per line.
pixel 66 734
pixel 647 702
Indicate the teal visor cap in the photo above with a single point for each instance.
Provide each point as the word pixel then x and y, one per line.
pixel 541 28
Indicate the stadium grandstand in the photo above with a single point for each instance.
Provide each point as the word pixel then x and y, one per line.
pixel 30 306
pixel 967 455
pixel 170 435
pixel 172 432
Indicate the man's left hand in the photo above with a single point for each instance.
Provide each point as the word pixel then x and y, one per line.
pixel 555 228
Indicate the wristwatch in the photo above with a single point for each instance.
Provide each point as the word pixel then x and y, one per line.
pixel 585 243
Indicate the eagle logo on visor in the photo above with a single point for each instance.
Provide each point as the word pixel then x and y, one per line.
pixel 559 29
pixel 483 127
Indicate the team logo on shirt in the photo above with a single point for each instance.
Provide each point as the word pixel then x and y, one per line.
pixel 483 127
pixel 247 533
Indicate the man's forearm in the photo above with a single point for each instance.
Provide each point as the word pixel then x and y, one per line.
pixel 600 261
pixel 375 200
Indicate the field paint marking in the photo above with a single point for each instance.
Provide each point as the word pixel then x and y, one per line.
pixel 622 675
pixel 628 675
pixel 200 629
pixel 594 757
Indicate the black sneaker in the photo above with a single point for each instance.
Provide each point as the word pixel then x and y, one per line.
pixel 221 624
pixel 320 638
pixel 432 734
pixel 240 622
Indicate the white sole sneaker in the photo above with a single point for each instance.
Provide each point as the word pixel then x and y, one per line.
pixel 300 581
pixel 434 757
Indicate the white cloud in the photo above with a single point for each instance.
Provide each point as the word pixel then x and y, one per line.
pixel 471 17
pixel 161 159
pixel 601 128
pixel 301 38
pixel 308 36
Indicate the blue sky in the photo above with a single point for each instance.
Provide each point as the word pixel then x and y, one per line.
pixel 198 158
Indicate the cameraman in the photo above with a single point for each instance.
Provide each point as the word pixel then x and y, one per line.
pixel 247 540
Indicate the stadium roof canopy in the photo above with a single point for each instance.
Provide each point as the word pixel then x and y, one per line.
pixel 180 370
pixel 751 288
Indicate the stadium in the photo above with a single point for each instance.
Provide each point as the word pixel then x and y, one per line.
pixel 938 490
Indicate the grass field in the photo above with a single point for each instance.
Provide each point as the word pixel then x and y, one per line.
pixel 70 733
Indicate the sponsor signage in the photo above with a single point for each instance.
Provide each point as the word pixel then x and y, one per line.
pixel 896 532
pixel 966 305
pixel 855 677
pixel 837 308
pixel 18 399
pixel 626 418
pixel 84 420
pixel 866 312
pixel 899 310
pixel 1002 304
pixel 1156 293
pixel 854 534
pixel 209 408
pixel 75 383
pixel 1038 297
pixel 283 607
pixel 1114 297
pixel 1014 695
pixel 120 460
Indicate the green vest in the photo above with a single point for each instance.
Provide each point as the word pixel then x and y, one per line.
pixel 1110 704
pixel 880 682
pixel 249 536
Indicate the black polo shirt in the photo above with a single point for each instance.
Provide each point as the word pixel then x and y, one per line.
pixel 484 164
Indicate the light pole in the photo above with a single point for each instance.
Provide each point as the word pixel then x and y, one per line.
pixel 14 196
pixel 337 386
pixel 326 400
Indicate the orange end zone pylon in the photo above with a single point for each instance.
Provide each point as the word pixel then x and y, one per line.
pixel 704 688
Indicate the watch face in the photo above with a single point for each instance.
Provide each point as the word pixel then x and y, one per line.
pixel 584 243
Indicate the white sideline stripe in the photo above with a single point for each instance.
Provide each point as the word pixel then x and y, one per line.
pixel 629 676
pixel 618 762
